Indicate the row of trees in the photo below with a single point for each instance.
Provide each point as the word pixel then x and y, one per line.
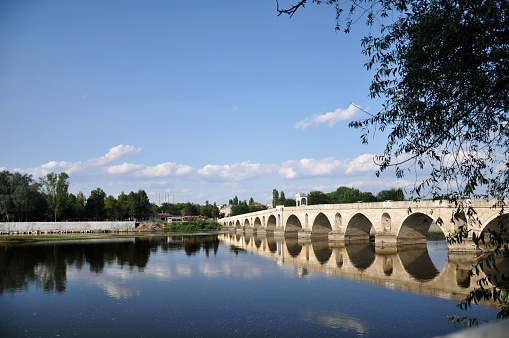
pixel 243 207
pixel 281 199
pixel 23 199
pixel 341 195
pixel 352 195
pixel 190 209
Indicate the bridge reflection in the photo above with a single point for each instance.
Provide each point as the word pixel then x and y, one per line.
pixel 405 268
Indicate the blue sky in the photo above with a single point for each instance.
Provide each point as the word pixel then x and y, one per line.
pixel 200 100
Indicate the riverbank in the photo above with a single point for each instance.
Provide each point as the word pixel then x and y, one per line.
pixel 12 239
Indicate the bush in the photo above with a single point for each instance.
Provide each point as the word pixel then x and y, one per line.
pixel 195 225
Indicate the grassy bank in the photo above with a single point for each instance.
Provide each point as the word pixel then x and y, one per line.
pixel 196 225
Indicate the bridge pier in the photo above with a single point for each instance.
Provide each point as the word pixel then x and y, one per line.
pixel 304 234
pixel 261 231
pixel 386 239
pixel 279 232
pixel 336 236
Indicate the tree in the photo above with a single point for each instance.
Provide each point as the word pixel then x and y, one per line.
pixel 317 197
pixel 240 209
pixel 442 68
pixel 391 195
pixel 143 204
pixel 6 206
pixel 190 209
pixel 95 205
pixel 79 206
pixel 290 202
pixel 54 188
pixel 275 198
pixel 112 209
pixel 19 197
pixel 282 198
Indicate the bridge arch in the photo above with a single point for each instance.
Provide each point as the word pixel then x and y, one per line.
pixel 237 224
pixel 321 225
pixel 257 223
pixel 358 228
pixel 495 224
pixel 271 223
pixel 293 225
pixel 246 223
pixel 414 229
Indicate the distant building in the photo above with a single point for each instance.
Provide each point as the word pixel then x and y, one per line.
pixel 164 217
pixel 226 211
pixel 160 216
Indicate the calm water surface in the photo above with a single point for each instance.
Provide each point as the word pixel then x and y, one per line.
pixel 228 285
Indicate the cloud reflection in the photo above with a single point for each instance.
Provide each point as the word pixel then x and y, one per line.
pixel 116 290
pixel 336 320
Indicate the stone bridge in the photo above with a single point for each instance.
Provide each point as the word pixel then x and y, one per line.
pixel 391 223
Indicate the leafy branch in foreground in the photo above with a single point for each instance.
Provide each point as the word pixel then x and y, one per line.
pixel 442 69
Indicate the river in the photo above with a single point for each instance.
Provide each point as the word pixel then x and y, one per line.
pixel 229 285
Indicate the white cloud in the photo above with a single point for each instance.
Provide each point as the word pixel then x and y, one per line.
pixel 124 168
pixel 330 118
pixel 114 154
pixel 361 163
pixel 307 167
pixel 236 171
pixel 166 169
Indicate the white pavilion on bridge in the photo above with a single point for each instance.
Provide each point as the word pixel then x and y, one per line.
pixel 301 198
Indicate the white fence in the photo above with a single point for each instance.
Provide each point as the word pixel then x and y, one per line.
pixel 41 227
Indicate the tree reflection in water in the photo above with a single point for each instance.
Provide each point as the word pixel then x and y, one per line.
pixel 46 264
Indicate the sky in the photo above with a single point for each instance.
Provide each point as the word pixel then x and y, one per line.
pixel 188 100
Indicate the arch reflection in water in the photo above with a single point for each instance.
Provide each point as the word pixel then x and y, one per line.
pixel 362 255
pixel 293 246
pixel 321 249
pixel 407 268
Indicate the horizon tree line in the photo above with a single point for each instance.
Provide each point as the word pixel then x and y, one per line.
pixel 24 199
